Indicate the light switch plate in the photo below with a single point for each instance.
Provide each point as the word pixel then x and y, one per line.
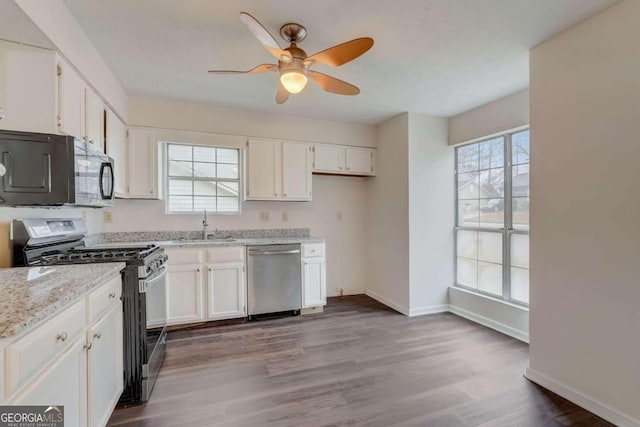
pixel 108 217
pixel 285 216
pixel 264 216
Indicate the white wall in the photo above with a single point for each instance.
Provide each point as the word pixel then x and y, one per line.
pixel 509 112
pixel 431 214
pixel 333 196
pixel 173 114
pixel 92 216
pixel 54 19
pixel 388 217
pixel 585 214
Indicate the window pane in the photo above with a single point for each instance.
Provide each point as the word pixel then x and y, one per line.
pixel 227 156
pixel 492 212
pixel 521 213
pixel 467 244
pixel 490 247
pixel 520 250
pixel 204 188
pixel 490 277
pixel 180 169
pixel 520 147
pixel 180 203
pixel 467 272
pixel 468 158
pixel 492 183
pixel 520 181
pixel 204 154
pixel 468 186
pixel 491 153
pixel 468 212
pixel 228 204
pixel 180 187
pixel 204 170
pixel 520 284
pixel 201 203
pixel 229 189
pixel 227 171
pixel 180 152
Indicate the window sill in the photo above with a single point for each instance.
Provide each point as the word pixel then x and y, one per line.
pixel 490 298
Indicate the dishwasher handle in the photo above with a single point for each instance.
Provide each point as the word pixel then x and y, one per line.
pixel 259 252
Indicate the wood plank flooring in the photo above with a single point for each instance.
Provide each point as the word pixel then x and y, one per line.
pixel 359 363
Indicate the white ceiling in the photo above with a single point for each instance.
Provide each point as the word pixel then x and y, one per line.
pixel 437 57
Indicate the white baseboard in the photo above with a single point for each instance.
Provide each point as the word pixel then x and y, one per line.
pixel 388 302
pixel 490 323
pixel 432 309
pixel 600 409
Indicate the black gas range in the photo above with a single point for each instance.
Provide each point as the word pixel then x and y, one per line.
pixel 60 241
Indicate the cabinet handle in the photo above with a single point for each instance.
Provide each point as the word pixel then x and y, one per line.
pixel 340 167
pixel 88 346
pixel 97 335
pixel 112 295
pixel 348 168
pixel 285 194
pixel 275 194
pixel 2 115
pixel 209 270
pixel 198 270
pixel 150 191
pixel 61 337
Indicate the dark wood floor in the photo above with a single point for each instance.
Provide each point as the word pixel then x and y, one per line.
pixel 359 363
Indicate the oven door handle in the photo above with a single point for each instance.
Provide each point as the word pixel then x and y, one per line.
pixel 145 284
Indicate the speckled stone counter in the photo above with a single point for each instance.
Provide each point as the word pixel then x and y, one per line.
pixel 30 295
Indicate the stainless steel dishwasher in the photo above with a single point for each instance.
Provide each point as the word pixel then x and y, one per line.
pixel 274 279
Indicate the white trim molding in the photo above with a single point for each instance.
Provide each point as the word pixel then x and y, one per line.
pixel 490 323
pixel 589 403
pixel 388 302
pixel 431 309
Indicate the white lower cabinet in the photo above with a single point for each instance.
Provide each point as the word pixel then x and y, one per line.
pixel 313 282
pixel 64 383
pixel 225 291
pixel 184 293
pixel 105 366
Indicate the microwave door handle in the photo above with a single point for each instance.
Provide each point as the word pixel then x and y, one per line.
pixel 103 166
pixel 113 181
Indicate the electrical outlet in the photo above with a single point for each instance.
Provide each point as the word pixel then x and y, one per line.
pixel 285 217
pixel 264 216
pixel 107 217
pixel 339 216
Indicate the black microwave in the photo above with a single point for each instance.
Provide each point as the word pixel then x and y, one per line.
pixel 49 170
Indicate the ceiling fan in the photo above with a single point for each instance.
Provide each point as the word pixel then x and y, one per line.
pixel 294 65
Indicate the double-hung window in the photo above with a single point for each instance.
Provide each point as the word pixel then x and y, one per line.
pixel 202 177
pixel 492 220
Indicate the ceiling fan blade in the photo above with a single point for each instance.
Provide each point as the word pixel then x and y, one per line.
pixel 342 53
pixel 282 95
pixel 263 36
pixel 263 68
pixel 333 85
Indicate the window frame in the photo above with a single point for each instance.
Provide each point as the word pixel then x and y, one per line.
pixel 167 178
pixel 507 229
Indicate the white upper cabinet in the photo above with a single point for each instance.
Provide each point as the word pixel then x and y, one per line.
pixel 116 148
pixel 94 119
pixel 142 164
pixel 278 170
pixel 71 101
pixel 342 160
pixel 27 88
pixel 296 171
pixel 263 170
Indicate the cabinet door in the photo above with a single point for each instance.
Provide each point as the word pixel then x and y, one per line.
pixel 226 297
pixel 94 119
pixel 115 144
pixel 313 282
pixel 359 161
pixel 64 383
pixel 184 294
pixel 263 170
pixel 327 158
pixel 142 164
pixel 296 171
pixel 71 101
pixel 105 366
pixel 27 88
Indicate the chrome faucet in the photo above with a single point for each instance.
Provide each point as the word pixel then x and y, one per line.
pixel 205 225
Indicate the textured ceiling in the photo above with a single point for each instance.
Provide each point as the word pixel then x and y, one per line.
pixel 437 57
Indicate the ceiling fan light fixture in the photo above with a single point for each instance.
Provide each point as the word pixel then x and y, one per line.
pixel 293 81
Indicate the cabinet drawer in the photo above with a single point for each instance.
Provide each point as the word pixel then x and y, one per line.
pixel 184 256
pixel 103 297
pixel 31 353
pixel 310 250
pixel 225 253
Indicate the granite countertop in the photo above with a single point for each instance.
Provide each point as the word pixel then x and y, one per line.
pixel 30 295
pixel 239 242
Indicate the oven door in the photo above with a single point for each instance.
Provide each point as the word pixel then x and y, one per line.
pixel 154 290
